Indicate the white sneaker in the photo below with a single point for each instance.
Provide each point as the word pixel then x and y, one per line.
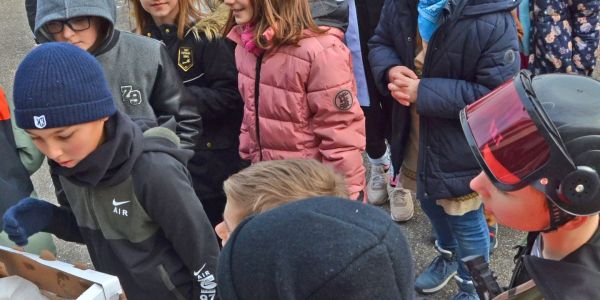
pixel 377 193
pixel 401 204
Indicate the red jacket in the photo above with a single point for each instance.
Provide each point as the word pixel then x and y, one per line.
pixel 307 106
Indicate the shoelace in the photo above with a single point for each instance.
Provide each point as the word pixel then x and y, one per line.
pixel 398 199
pixel 377 179
pixel 439 263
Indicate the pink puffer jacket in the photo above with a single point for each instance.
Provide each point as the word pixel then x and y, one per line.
pixel 307 105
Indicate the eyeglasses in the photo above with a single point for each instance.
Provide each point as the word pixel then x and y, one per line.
pixel 76 24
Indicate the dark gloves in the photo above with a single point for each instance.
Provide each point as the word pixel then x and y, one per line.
pixel 26 218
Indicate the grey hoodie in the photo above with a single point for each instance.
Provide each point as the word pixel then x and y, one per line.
pixel 333 13
pixel 142 77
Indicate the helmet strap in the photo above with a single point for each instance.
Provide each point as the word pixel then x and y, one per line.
pixel 558 217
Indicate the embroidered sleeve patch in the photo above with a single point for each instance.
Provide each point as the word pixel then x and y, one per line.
pixel 344 100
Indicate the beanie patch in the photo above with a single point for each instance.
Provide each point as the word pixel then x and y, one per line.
pixel 40 122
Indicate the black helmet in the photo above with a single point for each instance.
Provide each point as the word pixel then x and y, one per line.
pixel 543 131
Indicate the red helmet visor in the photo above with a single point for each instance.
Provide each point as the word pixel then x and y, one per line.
pixel 509 143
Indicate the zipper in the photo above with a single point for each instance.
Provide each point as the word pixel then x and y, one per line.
pixel 259 60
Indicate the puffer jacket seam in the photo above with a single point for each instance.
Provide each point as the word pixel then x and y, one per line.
pixel 329 88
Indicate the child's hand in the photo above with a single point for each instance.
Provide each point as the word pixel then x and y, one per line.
pixel 398 72
pixel 402 84
pixel 405 90
pixel 26 218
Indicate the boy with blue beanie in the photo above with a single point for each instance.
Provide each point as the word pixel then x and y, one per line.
pixel 129 194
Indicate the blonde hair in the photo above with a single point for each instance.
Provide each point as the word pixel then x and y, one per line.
pixel 266 185
pixel 188 8
pixel 287 18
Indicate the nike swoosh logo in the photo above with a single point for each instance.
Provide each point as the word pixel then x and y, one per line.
pixel 196 273
pixel 115 203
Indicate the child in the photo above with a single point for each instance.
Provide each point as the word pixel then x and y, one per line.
pixel 364 16
pixel 318 248
pixel 206 65
pixel 266 185
pixel 452 75
pixel 14 180
pixel 537 141
pixel 139 71
pixel 299 92
pixel 129 195
pixel 564 35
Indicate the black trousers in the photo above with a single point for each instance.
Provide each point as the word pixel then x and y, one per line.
pixel 378 123
pixel 209 169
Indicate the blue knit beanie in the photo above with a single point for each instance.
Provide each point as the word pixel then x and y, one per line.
pixel 59 84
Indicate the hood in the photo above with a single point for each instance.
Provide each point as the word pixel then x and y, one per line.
pixel 49 10
pixel 573 277
pixel 161 139
pixel 235 34
pixel 112 161
pixel 212 24
pixel 331 13
pixel 365 257
pixel 470 8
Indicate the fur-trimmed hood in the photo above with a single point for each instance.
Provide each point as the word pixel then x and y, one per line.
pixel 212 24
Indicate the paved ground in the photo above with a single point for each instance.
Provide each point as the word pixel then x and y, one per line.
pixel 16 41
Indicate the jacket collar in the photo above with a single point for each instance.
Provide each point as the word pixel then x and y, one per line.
pixel 235 33
pixel 469 8
pixel 576 275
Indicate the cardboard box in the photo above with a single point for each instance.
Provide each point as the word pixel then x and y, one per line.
pixel 62 280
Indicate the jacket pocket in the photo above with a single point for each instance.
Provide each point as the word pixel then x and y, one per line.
pixel 168 283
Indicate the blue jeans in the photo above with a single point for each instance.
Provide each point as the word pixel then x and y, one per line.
pixel 464 235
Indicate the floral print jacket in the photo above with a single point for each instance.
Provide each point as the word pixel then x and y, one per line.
pixel 564 36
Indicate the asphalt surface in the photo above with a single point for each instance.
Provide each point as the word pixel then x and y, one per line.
pixel 16 40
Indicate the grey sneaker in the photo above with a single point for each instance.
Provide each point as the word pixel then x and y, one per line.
pixel 401 203
pixel 377 193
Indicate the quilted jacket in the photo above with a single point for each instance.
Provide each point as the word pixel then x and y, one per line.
pixel 306 105
pixel 473 51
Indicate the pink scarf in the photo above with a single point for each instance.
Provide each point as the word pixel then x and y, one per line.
pixel 248 40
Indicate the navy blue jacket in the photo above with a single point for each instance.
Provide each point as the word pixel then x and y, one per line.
pixel 472 52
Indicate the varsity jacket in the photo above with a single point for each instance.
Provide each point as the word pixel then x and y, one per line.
pixel 131 202
pixel 142 77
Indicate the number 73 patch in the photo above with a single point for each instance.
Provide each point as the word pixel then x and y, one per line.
pixel 185 58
